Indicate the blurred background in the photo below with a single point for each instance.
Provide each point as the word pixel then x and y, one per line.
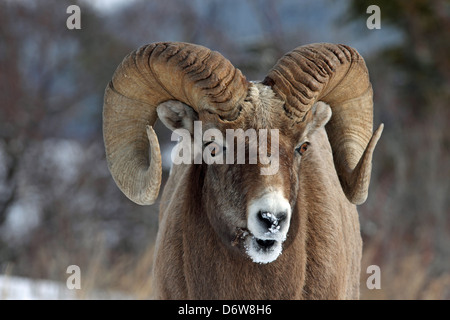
pixel 59 205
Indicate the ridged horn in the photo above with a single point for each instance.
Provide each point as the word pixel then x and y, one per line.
pixel 155 73
pixel 337 75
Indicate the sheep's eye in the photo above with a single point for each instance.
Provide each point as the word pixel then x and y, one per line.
pixel 302 148
pixel 214 148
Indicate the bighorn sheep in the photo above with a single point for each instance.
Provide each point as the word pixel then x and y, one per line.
pixel 226 231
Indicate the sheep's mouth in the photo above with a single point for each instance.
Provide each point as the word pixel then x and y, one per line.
pixel 265 244
pixel 262 250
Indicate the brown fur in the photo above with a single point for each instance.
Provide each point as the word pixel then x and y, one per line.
pixel 203 212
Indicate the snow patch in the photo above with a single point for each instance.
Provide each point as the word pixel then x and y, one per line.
pixel 20 288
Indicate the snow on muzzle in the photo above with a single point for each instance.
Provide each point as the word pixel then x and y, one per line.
pixel 268 223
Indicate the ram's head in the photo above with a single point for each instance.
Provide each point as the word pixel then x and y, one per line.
pixel 182 83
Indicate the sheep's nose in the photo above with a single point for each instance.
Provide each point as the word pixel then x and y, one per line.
pixel 271 221
pixel 269 216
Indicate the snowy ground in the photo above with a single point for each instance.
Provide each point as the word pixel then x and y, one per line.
pixel 18 288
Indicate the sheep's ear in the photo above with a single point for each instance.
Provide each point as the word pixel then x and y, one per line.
pixel 177 115
pixel 318 116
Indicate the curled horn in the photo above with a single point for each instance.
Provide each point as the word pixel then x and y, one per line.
pixel 155 73
pixel 337 75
